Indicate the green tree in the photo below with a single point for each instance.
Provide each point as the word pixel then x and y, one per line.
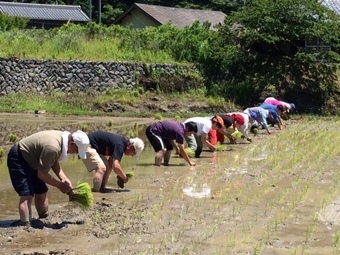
pixel 259 51
pixel 10 23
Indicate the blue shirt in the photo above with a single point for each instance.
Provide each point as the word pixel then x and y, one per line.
pixel 260 114
pixel 108 144
pixel 272 111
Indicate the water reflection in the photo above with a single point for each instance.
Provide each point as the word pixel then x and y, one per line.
pixel 27 124
pixel 76 171
pixel 197 191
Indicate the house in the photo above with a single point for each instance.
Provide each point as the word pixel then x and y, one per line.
pixel 333 5
pixel 144 15
pixel 44 15
pixel 317 44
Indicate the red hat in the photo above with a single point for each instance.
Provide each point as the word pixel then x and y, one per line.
pixel 218 119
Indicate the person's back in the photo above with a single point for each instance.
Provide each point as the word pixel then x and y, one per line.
pixel 273 101
pixel 162 136
pixel 259 115
pixel 257 109
pixel 104 156
pixel 268 106
pixel 42 149
pixel 170 130
pixel 30 160
pixel 203 124
pixel 108 144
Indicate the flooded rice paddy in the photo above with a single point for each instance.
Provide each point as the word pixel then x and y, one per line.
pixel 278 195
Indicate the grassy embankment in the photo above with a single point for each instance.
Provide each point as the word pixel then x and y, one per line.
pixel 73 43
pixel 104 44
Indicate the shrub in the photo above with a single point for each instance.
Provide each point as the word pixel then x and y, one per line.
pixel 9 23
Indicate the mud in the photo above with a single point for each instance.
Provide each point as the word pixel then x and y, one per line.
pixel 277 195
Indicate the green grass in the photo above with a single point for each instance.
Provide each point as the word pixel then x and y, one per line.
pixel 21 102
pixel 83 104
pixel 74 45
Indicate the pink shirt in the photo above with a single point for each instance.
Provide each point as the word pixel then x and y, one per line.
pixel 274 101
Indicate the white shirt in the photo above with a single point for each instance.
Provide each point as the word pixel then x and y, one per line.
pixel 288 106
pixel 203 124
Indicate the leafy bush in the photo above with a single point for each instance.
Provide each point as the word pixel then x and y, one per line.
pixel 9 23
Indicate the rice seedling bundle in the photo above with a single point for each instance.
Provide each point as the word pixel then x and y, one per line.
pixel 190 152
pixel 82 195
pixel 120 181
pixel 221 147
pixel 130 175
pixel 237 134
pixel 254 130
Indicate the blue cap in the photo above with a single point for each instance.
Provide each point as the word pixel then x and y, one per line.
pixel 293 106
pixel 253 115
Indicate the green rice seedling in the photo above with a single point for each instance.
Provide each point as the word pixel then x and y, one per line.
pixel 130 175
pixel 131 133
pixel 337 241
pixel 110 123
pixel 177 118
pixel 82 195
pixel 158 116
pixel 254 130
pixel 13 138
pixel 84 127
pixel 221 147
pixel 120 181
pixel 137 128
pixel 2 152
pixel 237 134
pixel 190 152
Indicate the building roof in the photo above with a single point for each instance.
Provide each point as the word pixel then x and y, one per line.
pixel 333 5
pixel 178 17
pixel 44 11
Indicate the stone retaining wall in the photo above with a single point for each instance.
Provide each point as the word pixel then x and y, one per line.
pixel 46 76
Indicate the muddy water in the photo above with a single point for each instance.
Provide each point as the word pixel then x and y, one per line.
pixel 23 125
pixel 278 195
pixel 75 171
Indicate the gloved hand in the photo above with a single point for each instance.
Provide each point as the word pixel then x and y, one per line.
pixel 120 182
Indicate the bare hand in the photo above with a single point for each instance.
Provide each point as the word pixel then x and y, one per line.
pixel 192 163
pixel 65 187
pixel 120 182
pixel 67 181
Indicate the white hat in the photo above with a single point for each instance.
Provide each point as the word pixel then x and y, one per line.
pixel 138 144
pixel 82 141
